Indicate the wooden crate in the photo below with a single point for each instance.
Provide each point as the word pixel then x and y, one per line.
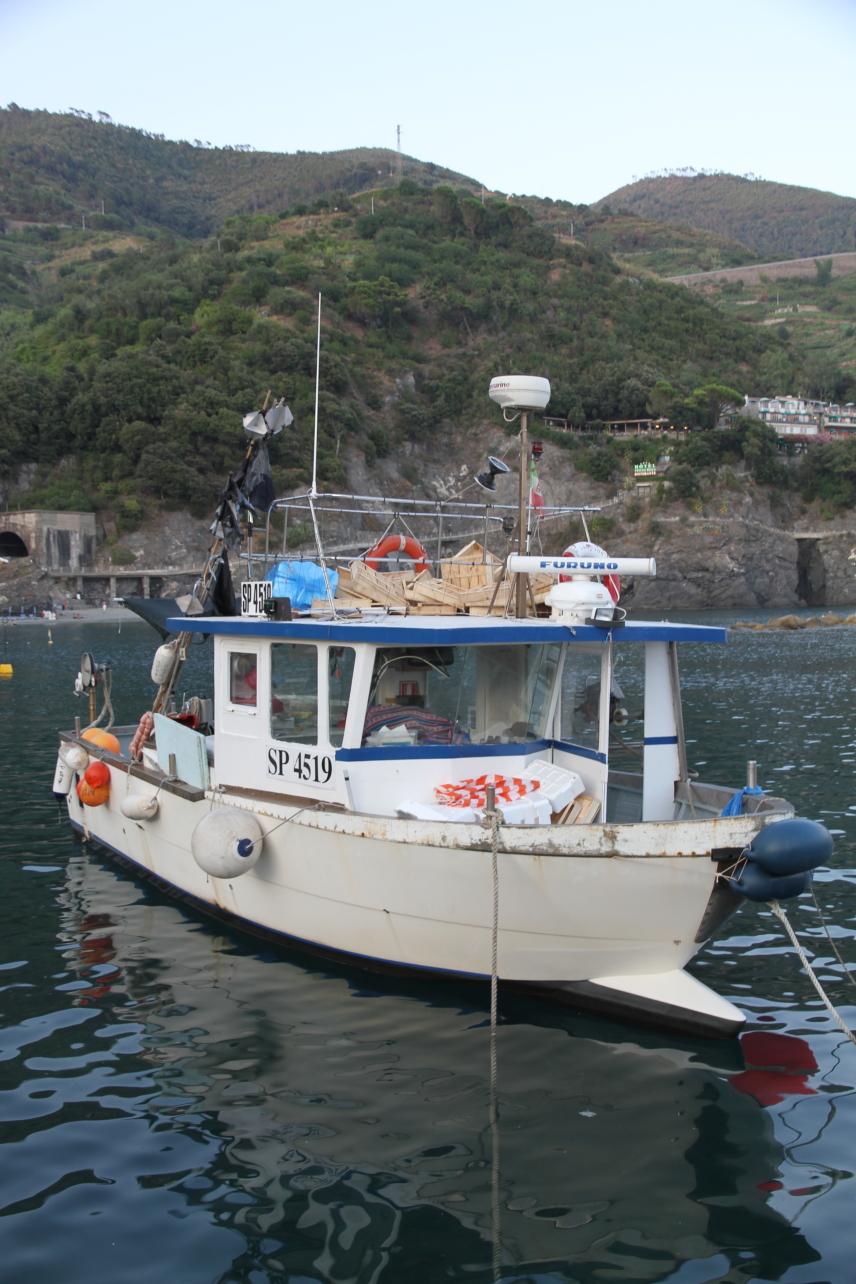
pixel 385 588
pixel 425 590
pixel 473 566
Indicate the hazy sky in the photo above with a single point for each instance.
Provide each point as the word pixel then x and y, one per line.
pixel 561 98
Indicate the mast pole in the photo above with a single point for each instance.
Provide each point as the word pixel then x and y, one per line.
pixel 521 603
pixel 314 491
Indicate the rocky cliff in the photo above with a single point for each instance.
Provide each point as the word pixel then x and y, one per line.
pixel 743 547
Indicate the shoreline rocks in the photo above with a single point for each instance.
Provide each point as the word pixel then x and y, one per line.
pixel 795 623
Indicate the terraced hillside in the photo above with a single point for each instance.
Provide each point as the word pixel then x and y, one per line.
pixel 773 220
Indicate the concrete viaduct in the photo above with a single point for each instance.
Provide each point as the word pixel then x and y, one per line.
pixel 64 545
pixel 56 541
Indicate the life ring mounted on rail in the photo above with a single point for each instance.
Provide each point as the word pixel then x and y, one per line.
pixel 397 544
pixel 585 549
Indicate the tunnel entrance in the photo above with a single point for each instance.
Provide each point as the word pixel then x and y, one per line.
pixel 11 545
pixel 811 573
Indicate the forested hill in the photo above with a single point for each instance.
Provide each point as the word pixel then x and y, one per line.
pixel 123 383
pixel 775 220
pixel 63 168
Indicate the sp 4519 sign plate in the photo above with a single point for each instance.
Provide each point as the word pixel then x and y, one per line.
pixel 254 594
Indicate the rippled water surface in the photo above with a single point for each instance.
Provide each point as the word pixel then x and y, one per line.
pixel 179 1103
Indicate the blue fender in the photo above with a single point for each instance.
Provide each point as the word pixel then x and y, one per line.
pixel 790 846
pixel 756 885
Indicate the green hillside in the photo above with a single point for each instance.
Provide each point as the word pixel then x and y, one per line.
pixel 774 220
pixel 125 379
pixel 665 248
pixel 815 316
pixel 59 168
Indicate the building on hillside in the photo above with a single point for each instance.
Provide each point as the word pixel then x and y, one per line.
pixel 803 419
pixel 616 427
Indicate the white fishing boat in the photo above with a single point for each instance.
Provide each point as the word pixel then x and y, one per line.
pixel 473 767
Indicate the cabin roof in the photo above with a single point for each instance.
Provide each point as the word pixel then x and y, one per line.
pixel 441 630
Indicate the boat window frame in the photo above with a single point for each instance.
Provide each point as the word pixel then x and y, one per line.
pixel 235 647
pixel 362 686
pixel 321 700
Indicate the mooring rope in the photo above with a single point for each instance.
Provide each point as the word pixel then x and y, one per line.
pixel 107 707
pixel 832 944
pixel 494 819
pixel 803 958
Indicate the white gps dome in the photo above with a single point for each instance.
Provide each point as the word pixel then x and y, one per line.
pixel 520 392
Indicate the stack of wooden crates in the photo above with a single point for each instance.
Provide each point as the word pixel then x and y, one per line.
pixel 473 582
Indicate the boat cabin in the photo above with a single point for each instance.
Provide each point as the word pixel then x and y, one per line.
pixel 372 714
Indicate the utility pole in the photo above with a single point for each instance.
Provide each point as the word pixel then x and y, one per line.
pixel 398 149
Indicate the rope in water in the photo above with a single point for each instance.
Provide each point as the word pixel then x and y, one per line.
pixel 832 945
pixel 803 958
pixel 494 818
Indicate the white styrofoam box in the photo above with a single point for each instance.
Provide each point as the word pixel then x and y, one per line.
pixel 557 784
pixel 521 812
pixel 543 807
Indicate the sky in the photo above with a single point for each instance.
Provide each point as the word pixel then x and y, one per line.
pixel 563 98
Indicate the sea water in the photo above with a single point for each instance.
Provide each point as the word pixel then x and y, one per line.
pixel 181 1102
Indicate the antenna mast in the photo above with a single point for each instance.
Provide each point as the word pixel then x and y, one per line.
pixel 398 149
pixel 314 490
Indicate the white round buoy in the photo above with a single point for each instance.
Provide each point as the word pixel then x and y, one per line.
pixel 163 661
pixel 226 842
pixel 76 757
pixel 139 806
pixel 63 776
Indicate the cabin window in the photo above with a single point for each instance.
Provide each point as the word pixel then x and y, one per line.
pixel 340 672
pixel 626 708
pixel 461 695
pixel 243 674
pixel 581 696
pixel 294 692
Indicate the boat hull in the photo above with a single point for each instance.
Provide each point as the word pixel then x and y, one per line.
pixel 583 907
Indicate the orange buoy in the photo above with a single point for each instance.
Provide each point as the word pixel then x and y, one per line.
pixel 397 544
pixel 97 774
pixel 104 739
pixel 90 796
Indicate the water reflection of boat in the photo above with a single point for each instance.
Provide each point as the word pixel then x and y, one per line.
pixel 345 1130
pixel 363 757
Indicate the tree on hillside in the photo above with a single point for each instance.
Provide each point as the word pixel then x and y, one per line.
pixel 776 374
pixel 823 377
pixel 663 400
pixel 707 404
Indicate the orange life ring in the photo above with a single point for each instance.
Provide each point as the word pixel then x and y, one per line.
pixel 583 548
pixel 398 544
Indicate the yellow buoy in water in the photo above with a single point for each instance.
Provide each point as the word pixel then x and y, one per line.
pixel 6 670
